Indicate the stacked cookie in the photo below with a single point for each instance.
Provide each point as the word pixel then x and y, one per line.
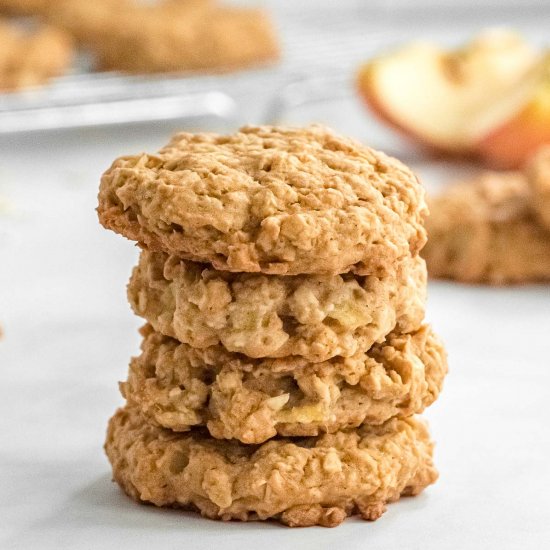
pixel 285 355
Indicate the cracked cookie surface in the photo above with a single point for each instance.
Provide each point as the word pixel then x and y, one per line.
pixel 486 231
pixel 300 482
pixel 235 397
pixel 313 316
pixel 277 200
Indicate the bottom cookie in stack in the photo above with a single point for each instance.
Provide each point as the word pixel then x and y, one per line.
pixel 300 481
pixel 303 443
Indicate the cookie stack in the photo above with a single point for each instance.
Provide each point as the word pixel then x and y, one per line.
pixel 284 355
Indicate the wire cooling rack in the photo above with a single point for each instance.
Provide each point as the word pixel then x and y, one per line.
pixel 323 42
pixel 86 98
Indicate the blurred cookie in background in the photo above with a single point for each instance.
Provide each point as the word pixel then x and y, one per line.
pixel 32 57
pixel 26 7
pixel 539 179
pixel 169 36
pixel 486 230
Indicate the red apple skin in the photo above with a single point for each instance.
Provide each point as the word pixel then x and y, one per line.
pixel 513 144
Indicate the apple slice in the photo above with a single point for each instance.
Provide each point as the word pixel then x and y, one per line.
pixel 520 122
pixel 438 97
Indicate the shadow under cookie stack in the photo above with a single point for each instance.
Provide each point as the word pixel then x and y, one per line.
pixel 284 357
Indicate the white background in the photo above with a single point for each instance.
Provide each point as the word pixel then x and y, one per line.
pixel 69 334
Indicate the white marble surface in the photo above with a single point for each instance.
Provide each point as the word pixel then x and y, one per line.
pixel 69 334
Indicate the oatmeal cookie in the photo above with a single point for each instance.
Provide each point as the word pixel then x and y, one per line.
pixel 538 173
pixel 275 200
pixel 485 231
pixel 313 316
pixel 300 482
pixel 178 387
pixel 31 58
pixel 171 35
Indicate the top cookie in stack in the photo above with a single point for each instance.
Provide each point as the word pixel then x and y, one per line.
pixel 284 295
pixel 280 201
